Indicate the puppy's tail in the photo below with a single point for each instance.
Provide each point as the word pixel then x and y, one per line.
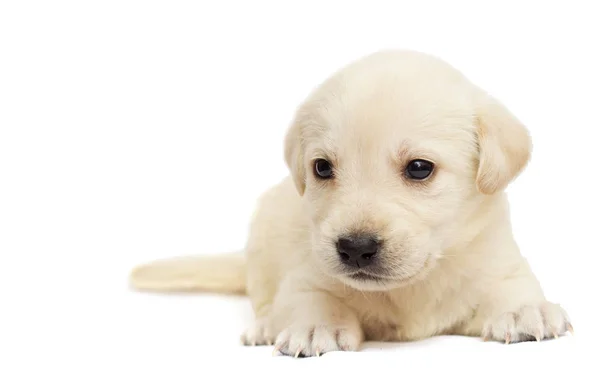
pixel 225 273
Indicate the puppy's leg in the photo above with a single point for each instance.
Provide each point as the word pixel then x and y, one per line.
pixel 261 288
pixel 314 322
pixel 514 309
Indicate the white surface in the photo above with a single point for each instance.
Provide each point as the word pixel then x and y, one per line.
pixel 135 130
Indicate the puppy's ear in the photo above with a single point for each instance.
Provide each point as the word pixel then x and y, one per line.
pixel 504 145
pixel 294 154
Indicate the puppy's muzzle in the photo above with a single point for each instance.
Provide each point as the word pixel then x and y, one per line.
pixel 357 251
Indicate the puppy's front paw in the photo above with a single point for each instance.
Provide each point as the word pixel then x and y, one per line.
pixel 258 334
pixel 528 323
pixel 314 340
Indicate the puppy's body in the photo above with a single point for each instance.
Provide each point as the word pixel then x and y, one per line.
pixel 446 301
pixel 442 259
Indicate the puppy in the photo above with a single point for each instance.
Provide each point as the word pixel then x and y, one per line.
pixel 393 224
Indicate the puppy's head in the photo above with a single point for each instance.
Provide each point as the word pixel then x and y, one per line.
pixel 390 155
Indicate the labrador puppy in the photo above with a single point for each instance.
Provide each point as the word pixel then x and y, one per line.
pixel 393 224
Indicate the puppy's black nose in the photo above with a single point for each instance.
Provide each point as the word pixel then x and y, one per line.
pixel 357 251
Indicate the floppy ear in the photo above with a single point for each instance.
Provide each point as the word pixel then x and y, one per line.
pixel 504 146
pixel 294 154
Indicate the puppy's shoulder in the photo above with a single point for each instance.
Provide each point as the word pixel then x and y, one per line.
pixel 281 200
pixel 278 217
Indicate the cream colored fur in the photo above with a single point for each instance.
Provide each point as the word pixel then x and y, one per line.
pixel 450 262
pixel 220 273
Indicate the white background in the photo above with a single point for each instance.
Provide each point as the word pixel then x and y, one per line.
pixel 136 130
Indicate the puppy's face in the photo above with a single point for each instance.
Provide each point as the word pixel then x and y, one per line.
pixel 390 155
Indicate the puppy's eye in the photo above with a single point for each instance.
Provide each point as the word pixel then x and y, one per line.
pixel 419 169
pixel 323 169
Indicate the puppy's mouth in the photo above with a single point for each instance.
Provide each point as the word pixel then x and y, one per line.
pixel 369 280
pixel 365 276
